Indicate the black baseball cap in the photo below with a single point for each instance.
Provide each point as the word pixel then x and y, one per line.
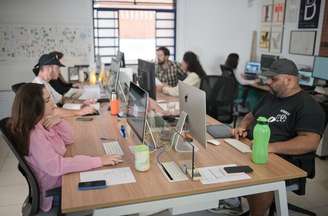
pixel 57 53
pixel 47 59
pixel 282 66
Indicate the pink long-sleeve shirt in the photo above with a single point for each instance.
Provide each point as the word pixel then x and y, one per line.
pixel 46 157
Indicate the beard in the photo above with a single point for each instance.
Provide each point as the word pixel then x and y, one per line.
pixel 161 62
pixel 276 93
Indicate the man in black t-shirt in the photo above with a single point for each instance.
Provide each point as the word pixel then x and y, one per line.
pixel 296 121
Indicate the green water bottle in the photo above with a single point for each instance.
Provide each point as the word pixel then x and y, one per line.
pixel 261 137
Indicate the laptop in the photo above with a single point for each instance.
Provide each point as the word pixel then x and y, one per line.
pixel 252 70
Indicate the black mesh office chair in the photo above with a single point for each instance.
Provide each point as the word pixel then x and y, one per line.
pixel 240 108
pixel 31 205
pixel 16 86
pixel 220 94
pixel 307 163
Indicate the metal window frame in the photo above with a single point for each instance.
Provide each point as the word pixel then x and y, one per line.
pixel 174 11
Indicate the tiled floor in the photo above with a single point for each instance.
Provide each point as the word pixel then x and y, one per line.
pixel 14 189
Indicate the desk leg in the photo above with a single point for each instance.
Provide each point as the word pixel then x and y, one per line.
pixel 280 197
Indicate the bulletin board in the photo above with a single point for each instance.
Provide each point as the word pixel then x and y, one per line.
pixel 30 41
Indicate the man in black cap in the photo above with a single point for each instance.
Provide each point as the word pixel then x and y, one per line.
pixel 43 71
pixel 58 82
pixel 297 122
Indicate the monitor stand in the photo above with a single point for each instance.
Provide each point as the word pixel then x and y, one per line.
pixel 120 89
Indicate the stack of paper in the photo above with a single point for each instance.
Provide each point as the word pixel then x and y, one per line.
pixel 73 93
pixel 111 176
pixel 216 174
pixel 74 106
pixel 90 92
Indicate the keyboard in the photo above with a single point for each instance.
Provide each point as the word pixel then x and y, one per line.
pixel 250 76
pixel 173 171
pixel 112 147
pixel 238 145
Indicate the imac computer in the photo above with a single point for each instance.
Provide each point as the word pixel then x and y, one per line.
pixel 320 68
pixel 146 77
pixel 193 101
pixel 267 60
pixel 137 110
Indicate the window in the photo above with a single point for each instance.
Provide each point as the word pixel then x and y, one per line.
pixel 134 27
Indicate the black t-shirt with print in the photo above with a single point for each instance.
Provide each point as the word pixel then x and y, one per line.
pixel 296 113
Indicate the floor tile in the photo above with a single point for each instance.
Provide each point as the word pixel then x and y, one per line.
pixel 13 177
pixel 13 195
pixel 321 211
pixel 10 210
pixel 10 164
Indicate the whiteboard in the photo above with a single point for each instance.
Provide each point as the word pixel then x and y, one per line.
pixel 302 42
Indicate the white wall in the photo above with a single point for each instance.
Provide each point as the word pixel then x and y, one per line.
pixel 210 28
pixel 213 29
pixel 40 12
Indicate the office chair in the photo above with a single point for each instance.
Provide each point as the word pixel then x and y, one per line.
pixel 307 163
pixel 31 205
pixel 16 86
pixel 220 94
pixel 240 101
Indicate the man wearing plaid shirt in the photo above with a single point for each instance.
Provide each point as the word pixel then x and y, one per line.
pixel 167 72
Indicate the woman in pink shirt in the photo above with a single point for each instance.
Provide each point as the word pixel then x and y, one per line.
pixel 42 139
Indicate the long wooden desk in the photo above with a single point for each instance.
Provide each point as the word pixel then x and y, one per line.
pixel 152 191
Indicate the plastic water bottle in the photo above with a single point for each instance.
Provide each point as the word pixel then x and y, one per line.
pixel 261 137
pixel 114 104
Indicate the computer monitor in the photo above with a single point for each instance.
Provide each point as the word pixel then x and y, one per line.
pixel 253 68
pixel 137 110
pixel 193 101
pixel 115 73
pixel 146 77
pixel 267 60
pixel 120 57
pixel 320 67
pixel 305 78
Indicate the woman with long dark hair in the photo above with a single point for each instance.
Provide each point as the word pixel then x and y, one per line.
pixel 41 138
pixel 191 66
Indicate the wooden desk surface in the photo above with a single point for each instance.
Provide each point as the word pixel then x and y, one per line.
pixel 152 185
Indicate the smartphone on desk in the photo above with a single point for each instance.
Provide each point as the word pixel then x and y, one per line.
pixel 238 169
pixel 92 185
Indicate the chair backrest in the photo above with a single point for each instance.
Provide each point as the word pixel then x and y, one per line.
pixel 226 71
pixel 16 86
pixel 220 92
pixel 307 163
pixel 32 203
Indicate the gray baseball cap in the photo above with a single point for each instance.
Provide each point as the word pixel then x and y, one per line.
pixel 282 66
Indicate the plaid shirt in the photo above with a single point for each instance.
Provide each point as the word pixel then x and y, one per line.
pixel 168 73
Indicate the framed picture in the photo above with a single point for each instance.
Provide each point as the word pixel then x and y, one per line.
pixel 278 12
pixel 73 74
pixel 309 14
pixel 276 39
pixel 266 14
pixel 302 42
